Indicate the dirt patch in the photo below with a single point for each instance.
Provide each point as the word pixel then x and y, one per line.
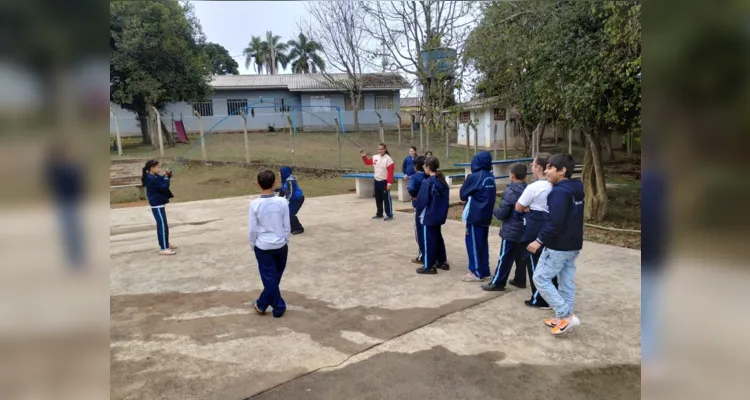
pixel 438 374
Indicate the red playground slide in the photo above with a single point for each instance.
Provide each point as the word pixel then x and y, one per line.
pixel 181 134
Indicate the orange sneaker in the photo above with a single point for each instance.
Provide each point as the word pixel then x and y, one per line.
pixel 566 325
pixel 552 322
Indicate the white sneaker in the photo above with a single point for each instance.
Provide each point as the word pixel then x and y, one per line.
pixel 167 252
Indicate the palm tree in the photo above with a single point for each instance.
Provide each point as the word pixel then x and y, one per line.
pixel 257 52
pixel 304 52
pixel 276 53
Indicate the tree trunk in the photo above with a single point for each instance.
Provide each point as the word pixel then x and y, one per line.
pixel 594 184
pixel 539 136
pixel 143 122
pixel 167 135
pixel 607 142
pixel 355 100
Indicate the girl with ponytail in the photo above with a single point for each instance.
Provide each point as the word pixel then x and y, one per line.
pixel 432 209
pixel 158 194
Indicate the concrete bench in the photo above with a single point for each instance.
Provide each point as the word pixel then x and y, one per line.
pixel 499 167
pixel 134 183
pixel 365 187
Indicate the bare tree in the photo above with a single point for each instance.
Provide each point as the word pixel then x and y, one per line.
pixel 409 28
pixel 339 28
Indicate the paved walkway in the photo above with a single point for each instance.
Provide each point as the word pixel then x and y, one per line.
pixel 182 327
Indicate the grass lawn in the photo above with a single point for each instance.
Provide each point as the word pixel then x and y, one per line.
pixel 199 182
pixel 311 149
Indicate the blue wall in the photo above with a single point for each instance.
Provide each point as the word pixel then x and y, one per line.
pixel 265 115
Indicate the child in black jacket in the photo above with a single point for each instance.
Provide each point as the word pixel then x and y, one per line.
pixel 511 233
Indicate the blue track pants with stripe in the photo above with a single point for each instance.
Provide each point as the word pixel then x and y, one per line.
pixel 531 261
pixel 162 227
pixel 477 247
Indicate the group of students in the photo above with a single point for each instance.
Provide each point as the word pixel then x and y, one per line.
pixel 542 227
pixel 542 224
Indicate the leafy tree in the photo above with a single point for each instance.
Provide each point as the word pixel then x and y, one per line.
pixel 254 53
pixel 155 56
pixel 221 62
pixel 576 62
pixel 304 55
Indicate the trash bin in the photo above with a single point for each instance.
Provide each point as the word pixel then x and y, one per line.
pixel 415 125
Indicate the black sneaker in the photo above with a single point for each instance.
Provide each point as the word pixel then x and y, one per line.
pixel 512 282
pixel 298 232
pixel 377 217
pixel 537 305
pixel 444 266
pixel 493 288
pixel 388 218
pixel 417 261
pixel 430 271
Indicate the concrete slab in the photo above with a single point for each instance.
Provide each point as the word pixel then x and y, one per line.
pixel 182 327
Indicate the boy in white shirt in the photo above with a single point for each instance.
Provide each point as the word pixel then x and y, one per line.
pixel 533 201
pixel 268 222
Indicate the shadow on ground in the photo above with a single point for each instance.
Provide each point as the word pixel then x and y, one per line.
pixel 437 374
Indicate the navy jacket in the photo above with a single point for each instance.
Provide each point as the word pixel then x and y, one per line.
pixel 564 228
pixel 289 187
pixel 157 190
pixel 432 202
pixel 512 229
pixel 66 181
pixel 534 221
pixel 415 183
pixel 408 166
pixel 479 191
pixel 653 215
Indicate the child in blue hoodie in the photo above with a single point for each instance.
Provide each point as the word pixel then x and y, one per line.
pixel 432 208
pixel 479 192
pixel 415 183
pixel 562 238
pixel 511 233
pixel 158 194
pixel 293 193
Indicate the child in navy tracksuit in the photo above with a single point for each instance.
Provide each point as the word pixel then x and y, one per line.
pixel 432 208
pixel 415 183
pixel 479 192
pixel 511 233
pixel 158 194
pixel 293 193
pixel 407 167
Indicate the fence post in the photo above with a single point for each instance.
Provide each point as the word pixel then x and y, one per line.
pixel 505 141
pixel 380 127
pixel 421 133
pixel 411 127
pixel 244 131
pixel 476 138
pixel 427 135
pixel 203 139
pixel 158 127
pixel 468 145
pixel 291 136
pixel 570 140
pixel 338 141
pixel 399 127
pixel 444 128
pixel 117 132
pixel 494 144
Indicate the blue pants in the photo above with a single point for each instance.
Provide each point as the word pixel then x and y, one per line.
pixel 294 207
pixel 477 247
pixel 383 199
pixel 72 233
pixel 510 252
pixel 434 246
pixel 561 264
pixel 419 235
pixel 271 264
pixel 162 227
pixel 532 260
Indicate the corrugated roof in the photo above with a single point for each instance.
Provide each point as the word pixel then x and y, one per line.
pixel 409 102
pixel 297 82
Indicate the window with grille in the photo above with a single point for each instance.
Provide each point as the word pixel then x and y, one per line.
pixel 498 114
pixel 384 102
pixel 465 117
pixel 320 103
pixel 204 108
pixel 280 106
pixel 234 107
pixel 349 104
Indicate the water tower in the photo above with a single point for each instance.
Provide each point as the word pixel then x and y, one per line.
pixel 440 66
